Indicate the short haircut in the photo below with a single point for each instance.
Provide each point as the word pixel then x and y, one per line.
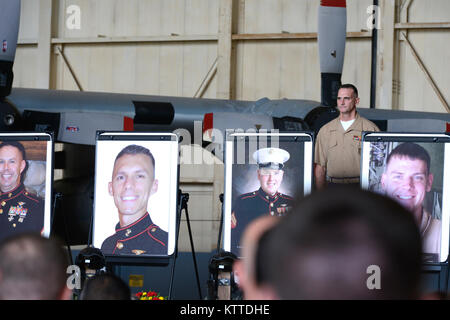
pixel 412 151
pixel 32 267
pixel 15 144
pixel 349 86
pixel 133 150
pixel 105 286
pixel 322 249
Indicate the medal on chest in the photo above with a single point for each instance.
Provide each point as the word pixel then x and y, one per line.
pixel 283 209
pixel 19 211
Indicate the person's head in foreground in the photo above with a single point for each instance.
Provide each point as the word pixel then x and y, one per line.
pixel 33 268
pixel 105 287
pixel 342 243
pixel 245 267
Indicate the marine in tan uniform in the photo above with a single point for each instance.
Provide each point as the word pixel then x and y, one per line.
pixel 133 182
pixel 338 144
pixel 20 210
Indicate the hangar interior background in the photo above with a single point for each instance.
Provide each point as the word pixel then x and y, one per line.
pixel 228 49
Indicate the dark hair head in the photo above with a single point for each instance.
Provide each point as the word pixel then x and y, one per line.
pixel 349 86
pixel 105 286
pixel 324 247
pixel 412 151
pixel 32 267
pixel 134 149
pixel 15 144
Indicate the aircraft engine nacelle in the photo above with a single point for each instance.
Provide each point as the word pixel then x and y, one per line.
pixel 216 126
pixel 9 117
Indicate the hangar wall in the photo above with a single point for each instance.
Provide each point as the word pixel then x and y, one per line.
pixel 267 49
pixel 230 49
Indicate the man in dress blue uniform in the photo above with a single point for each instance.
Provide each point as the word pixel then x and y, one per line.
pixel 265 200
pixel 133 182
pixel 20 210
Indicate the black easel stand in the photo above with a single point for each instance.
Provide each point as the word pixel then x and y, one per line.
pixel 112 261
pixel 221 284
pixel 444 290
pixel 221 224
pixel 56 199
pixel 443 271
pixel 183 199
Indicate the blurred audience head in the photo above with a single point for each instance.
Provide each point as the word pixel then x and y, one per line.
pixel 105 286
pixel 343 243
pixel 245 269
pixel 33 268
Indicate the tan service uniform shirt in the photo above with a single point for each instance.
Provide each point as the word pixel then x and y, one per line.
pixel 430 229
pixel 339 151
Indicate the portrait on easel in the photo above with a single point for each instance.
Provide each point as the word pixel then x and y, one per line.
pixel 135 194
pixel 409 168
pixel 25 183
pixel 264 174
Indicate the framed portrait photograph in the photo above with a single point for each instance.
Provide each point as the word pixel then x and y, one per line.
pixel 135 202
pixel 411 169
pixel 26 176
pixel 263 174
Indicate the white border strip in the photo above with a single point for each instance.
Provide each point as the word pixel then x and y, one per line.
pixel 227 199
pixel 445 206
pixel 365 160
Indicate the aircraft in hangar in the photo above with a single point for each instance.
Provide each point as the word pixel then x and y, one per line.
pixel 75 117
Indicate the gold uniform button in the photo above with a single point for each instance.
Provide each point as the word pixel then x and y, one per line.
pixel 119 245
pixel 272 213
pixel 1 211
pixel 14 225
pixel 9 195
pixel 271 204
pixel 3 203
pixel 153 230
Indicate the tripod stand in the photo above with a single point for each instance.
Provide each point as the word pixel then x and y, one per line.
pixel 183 199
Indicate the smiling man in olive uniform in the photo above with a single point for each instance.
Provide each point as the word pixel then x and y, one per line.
pixel 133 182
pixel 267 199
pixel 20 210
